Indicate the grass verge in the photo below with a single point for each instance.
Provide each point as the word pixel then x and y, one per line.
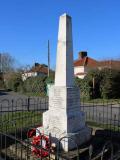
pixel 10 122
pixel 103 126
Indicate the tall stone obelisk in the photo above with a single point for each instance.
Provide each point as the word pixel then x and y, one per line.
pixel 64 117
pixel 64 75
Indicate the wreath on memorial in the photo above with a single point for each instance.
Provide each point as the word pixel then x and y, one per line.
pixel 40 144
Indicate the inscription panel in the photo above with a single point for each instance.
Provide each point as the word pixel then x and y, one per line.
pixel 57 98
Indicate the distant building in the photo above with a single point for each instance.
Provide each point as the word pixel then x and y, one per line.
pixel 112 64
pixel 36 70
pixel 83 64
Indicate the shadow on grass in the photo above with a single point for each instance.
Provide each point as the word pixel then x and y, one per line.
pixel 2 93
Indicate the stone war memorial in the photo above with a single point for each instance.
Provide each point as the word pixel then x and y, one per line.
pixel 64 117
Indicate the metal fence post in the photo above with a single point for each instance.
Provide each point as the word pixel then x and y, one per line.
pixel 59 143
pixel 107 145
pixel 28 104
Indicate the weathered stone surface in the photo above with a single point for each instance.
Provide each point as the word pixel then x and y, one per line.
pixel 64 110
pixel 64 75
pixel 68 140
pixel 64 117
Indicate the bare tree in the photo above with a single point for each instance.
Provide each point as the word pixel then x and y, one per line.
pixel 6 62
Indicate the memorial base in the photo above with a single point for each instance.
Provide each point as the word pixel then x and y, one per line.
pixel 64 118
pixel 68 141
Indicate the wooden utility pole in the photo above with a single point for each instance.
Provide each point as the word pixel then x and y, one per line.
pixel 93 87
pixel 1 62
pixel 48 59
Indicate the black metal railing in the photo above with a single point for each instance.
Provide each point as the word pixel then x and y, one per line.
pixel 20 115
pixel 104 114
pixel 16 118
pixel 24 104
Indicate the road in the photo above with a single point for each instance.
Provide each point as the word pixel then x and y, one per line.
pixel 12 101
pixel 107 114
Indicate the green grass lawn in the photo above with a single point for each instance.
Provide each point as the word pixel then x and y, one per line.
pixel 11 122
pixel 33 94
pixel 103 126
pixel 101 101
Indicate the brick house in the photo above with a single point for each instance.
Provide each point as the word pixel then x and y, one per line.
pixel 83 64
pixel 36 70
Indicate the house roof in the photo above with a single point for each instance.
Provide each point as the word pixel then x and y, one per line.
pixel 86 61
pixel 89 62
pixel 115 64
pixel 40 69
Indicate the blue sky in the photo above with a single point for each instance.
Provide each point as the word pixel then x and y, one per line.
pixel 26 26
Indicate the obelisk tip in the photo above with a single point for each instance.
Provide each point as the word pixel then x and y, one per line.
pixel 65 14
